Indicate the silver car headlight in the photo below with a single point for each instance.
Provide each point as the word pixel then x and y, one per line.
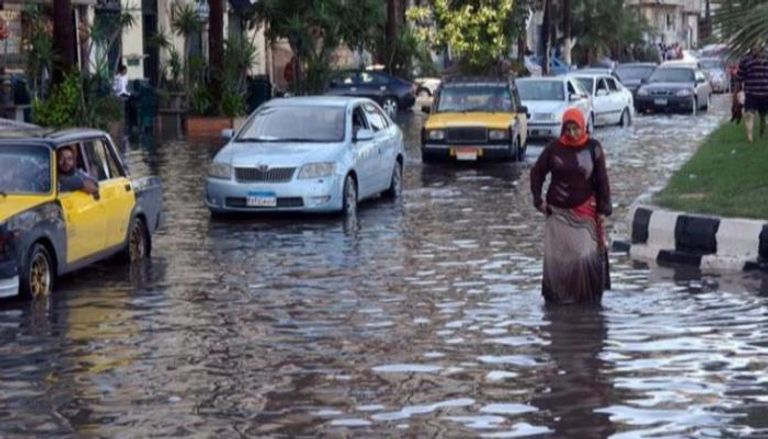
pixel 317 170
pixel 220 170
pixel 498 134
pixel 684 92
pixel 436 135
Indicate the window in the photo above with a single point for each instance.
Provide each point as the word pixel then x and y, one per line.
pixel 571 89
pixel 373 79
pixel 376 118
pixel 295 123
pixel 102 165
pixel 612 86
pixel 601 86
pixel 359 122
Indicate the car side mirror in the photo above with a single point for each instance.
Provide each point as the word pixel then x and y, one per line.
pixel 227 133
pixel 363 135
pixel 426 109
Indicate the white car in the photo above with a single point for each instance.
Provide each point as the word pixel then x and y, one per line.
pixel 612 102
pixel 309 154
pixel 547 98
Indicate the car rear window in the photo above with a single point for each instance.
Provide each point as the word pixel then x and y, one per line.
pixel 460 98
pixel 26 169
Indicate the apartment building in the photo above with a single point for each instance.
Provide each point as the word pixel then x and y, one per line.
pixel 671 21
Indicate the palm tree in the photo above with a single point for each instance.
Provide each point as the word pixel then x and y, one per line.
pixel 743 23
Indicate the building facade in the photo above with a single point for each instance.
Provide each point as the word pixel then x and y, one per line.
pixel 671 21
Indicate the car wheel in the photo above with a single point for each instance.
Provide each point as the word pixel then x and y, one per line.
pixel 396 183
pixel 139 245
pixel 520 151
pixel 694 106
pixel 349 197
pixel 707 104
pixel 390 106
pixel 427 157
pixel 37 273
pixel 626 118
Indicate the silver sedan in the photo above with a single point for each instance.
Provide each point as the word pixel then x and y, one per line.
pixel 313 154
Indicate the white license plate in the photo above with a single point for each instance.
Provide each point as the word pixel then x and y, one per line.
pixel 539 133
pixel 260 201
pixel 468 154
pixel 660 101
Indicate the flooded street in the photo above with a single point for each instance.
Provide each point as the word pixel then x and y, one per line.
pixel 422 319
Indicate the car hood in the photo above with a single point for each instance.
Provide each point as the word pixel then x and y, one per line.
pixel 473 119
pixel 668 86
pixel 545 106
pixel 13 204
pixel 632 83
pixel 278 154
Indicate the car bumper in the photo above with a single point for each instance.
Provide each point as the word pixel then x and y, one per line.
pixel 450 151
pixel 543 130
pixel 315 195
pixel 666 103
pixel 9 286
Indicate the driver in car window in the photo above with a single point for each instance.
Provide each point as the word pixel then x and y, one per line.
pixel 71 178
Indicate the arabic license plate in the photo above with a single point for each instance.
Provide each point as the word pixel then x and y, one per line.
pixel 466 154
pixel 261 200
pixel 539 133
pixel 660 101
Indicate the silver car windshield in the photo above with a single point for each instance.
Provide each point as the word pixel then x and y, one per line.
pixel 25 170
pixel 672 75
pixel 541 90
pixel 295 123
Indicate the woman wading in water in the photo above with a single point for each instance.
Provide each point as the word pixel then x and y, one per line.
pixel 575 254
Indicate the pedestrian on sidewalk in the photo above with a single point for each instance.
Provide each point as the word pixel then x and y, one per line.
pixel 579 196
pixel 753 79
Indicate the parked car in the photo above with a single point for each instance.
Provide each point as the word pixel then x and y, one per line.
pixel 717 73
pixel 556 65
pixel 473 118
pixel 426 87
pixel 547 99
pixel 596 71
pixel 632 75
pixel 46 232
pixel 393 94
pixel 308 154
pixel 612 103
pixel 674 87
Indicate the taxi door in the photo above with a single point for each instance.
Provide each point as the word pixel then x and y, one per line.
pixel 85 219
pixel 115 189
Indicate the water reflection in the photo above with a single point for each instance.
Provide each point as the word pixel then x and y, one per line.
pixel 575 384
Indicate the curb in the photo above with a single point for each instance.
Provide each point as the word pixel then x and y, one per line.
pixel 705 241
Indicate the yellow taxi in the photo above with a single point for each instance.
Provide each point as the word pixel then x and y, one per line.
pixel 46 229
pixel 473 118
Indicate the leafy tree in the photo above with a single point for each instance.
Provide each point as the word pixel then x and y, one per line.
pixel 743 24
pixel 479 32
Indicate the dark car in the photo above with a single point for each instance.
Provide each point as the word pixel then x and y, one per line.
pixel 674 88
pixel 391 92
pixel 632 75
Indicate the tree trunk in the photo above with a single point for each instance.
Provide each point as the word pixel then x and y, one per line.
pixel 545 26
pixel 395 20
pixel 63 39
pixel 216 48
pixel 567 31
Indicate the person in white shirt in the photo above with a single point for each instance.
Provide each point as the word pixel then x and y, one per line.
pixel 120 84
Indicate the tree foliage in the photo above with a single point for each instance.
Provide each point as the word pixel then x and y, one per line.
pixel 742 24
pixel 478 32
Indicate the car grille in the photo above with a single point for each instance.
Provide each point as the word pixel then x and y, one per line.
pixel 466 135
pixel 239 202
pixel 662 93
pixel 269 175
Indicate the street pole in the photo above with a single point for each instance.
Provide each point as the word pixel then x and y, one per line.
pixel 63 39
pixel 216 47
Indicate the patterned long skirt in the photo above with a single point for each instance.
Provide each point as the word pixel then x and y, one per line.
pixel 575 256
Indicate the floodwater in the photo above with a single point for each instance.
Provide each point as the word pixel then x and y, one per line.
pixel 423 318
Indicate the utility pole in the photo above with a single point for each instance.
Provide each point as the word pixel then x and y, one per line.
pixel 216 47
pixel 63 39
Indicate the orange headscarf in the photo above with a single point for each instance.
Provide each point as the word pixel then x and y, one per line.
pixel 574 115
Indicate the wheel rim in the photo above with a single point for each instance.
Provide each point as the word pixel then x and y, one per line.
pixel 137 245
pixel 390 106
pixel 40 276
pixel 350 196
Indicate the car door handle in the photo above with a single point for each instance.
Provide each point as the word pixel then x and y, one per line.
pixel 128 187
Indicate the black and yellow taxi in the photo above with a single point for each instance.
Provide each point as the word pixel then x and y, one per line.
pixel 47 231
pixel 473 118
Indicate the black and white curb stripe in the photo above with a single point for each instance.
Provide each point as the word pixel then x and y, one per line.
pixel 705 241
